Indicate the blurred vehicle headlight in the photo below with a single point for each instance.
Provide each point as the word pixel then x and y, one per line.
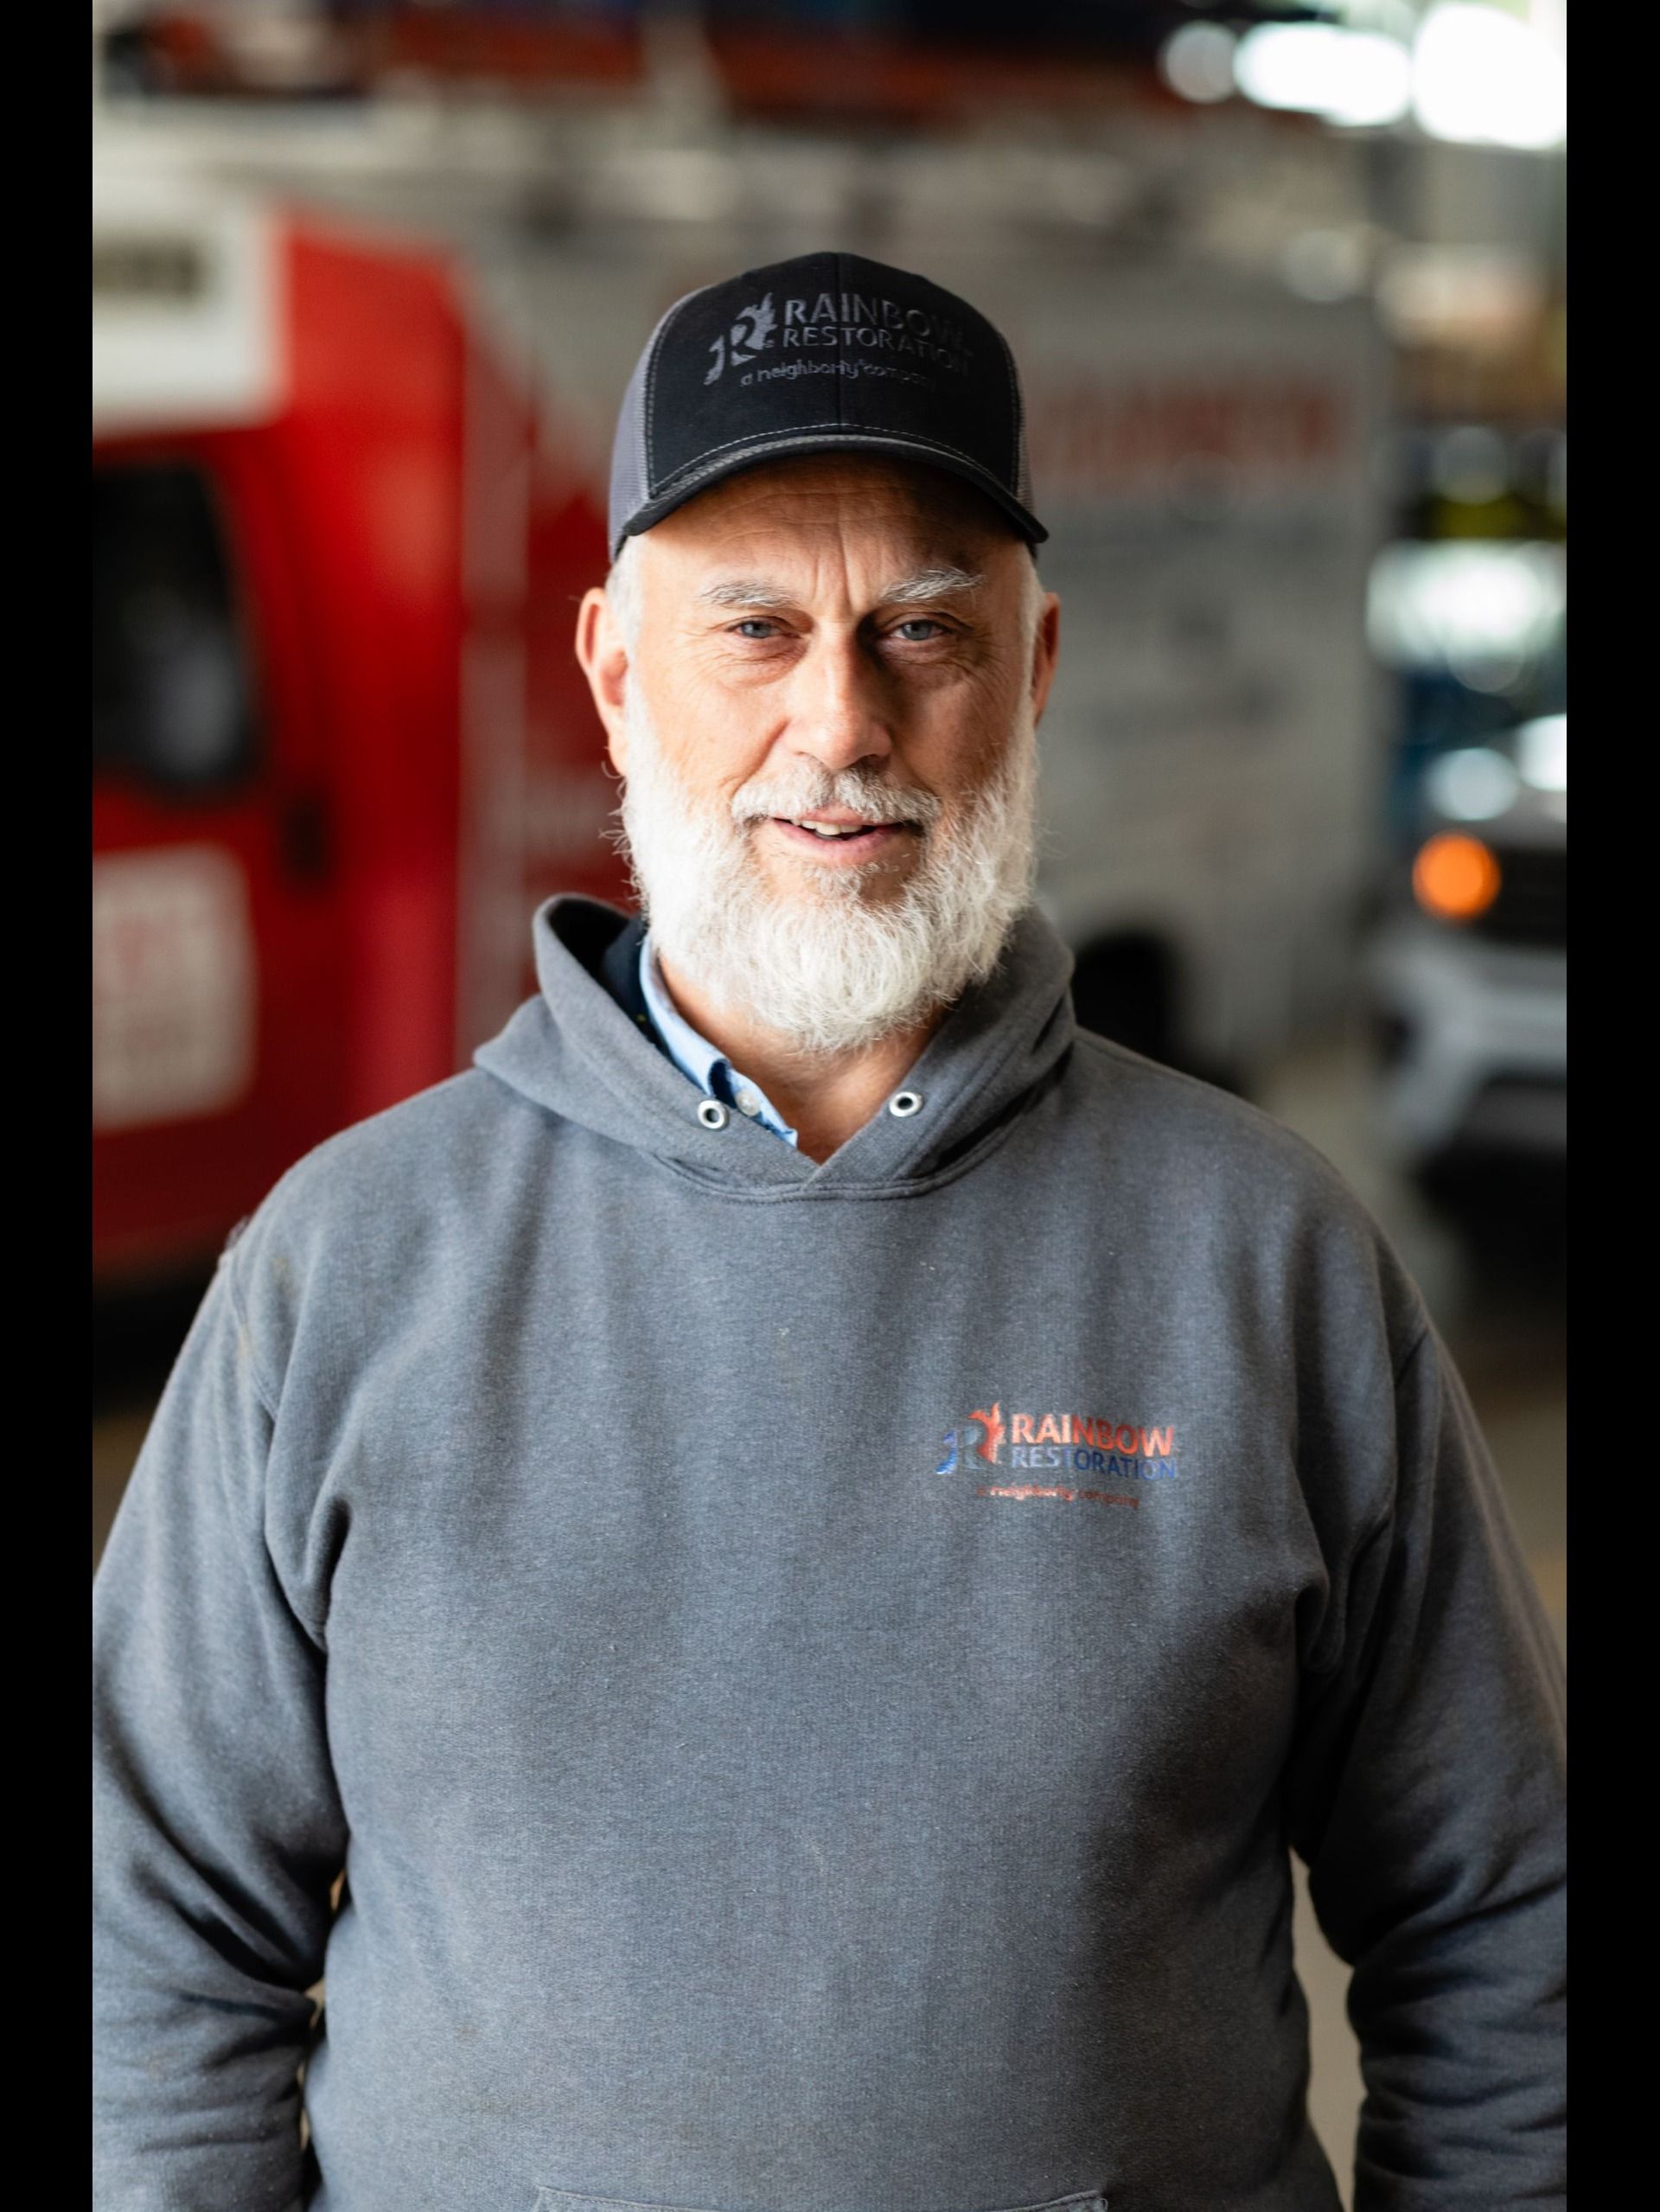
pixel 1455 878
pixel 1475 783
pixel 1542 752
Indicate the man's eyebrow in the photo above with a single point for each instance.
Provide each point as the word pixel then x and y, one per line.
pixel 917 590
pixel 744 591
pixel 930 584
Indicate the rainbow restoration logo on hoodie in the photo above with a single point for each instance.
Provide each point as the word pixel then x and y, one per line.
pixel 1063 1443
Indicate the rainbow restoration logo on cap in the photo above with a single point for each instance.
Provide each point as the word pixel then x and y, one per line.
pixel 824 354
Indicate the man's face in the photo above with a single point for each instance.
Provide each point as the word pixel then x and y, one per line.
pixel 823 708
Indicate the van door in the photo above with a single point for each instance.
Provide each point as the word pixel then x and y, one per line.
pixel 216 1020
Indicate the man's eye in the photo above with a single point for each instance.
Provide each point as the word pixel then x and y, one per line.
pixel 919 630
pixel 757 626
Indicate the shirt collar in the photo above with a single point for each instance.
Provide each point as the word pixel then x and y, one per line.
pixel 696 1058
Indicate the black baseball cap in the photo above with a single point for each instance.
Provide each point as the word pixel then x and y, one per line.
pixel 827 353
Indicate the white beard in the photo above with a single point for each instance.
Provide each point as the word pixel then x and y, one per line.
pixel 829 968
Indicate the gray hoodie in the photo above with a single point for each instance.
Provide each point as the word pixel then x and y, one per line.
pixel 812 1671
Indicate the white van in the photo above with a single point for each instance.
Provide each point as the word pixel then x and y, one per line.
pixel 1469 974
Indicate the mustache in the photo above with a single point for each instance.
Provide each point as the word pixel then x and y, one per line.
pixel 764 797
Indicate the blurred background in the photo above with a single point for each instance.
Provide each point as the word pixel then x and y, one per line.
pixel 1288 287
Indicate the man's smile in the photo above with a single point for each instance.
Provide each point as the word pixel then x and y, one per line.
pixel 838 838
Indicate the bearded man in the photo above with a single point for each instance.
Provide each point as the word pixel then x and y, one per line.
pixel 807 1537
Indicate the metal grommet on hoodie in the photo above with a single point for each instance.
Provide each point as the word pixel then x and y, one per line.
pixel 711 1114
pixel 903 1103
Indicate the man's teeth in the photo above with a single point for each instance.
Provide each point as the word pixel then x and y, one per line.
pixel 836 829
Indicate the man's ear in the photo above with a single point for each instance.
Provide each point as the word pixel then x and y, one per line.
pixel 604 659
pixel 1045 651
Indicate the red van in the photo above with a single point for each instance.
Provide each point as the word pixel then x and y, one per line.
pixel 340 747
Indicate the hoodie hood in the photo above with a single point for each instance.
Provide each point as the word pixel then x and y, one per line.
pixel 574 1050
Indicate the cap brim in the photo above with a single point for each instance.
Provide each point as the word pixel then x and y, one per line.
pixel 700 477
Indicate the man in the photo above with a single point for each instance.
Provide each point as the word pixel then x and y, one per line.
pixel 809 1537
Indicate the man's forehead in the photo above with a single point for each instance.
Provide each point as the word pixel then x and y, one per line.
pixel 780 522
pixel 915 586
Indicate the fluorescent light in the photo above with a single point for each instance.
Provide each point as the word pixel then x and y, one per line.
pixel 1197 61
pixel 1483 78
pixel 1349 77
pixel 1475 606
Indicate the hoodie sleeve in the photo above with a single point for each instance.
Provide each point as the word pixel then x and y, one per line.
pixel 1427 1796
pixel 217 1827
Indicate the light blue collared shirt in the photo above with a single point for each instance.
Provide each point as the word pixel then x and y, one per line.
pixel 696 1057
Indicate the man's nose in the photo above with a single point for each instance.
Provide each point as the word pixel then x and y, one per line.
pixel 839 715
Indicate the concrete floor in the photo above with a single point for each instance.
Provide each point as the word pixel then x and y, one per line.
pixel 1500 1310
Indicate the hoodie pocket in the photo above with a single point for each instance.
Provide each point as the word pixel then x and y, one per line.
pixel 565 2200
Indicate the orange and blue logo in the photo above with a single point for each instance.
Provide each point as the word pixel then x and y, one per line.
pixel 1061 1443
